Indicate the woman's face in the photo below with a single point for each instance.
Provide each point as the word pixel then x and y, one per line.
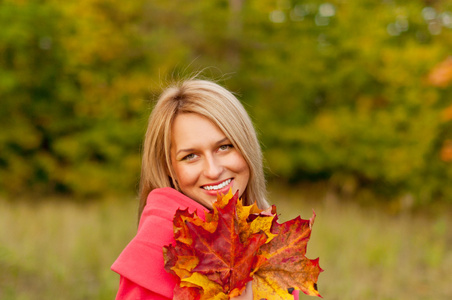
pixel 204 160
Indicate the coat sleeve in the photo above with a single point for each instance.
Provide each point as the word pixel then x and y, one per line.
pixel 141 263
pixel 128 290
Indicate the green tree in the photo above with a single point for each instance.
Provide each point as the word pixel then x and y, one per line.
pixel 338 90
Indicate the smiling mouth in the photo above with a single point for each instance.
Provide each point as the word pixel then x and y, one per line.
pixel 218 186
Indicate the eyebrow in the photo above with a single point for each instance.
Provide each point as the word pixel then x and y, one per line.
pixel 192 149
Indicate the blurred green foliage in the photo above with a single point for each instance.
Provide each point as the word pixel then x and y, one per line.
pixel 344 91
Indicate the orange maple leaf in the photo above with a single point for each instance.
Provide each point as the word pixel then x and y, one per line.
pixel 287 267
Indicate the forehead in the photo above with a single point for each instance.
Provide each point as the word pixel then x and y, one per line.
pixel 190 128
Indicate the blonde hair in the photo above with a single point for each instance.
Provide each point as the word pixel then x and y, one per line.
pixel 221 107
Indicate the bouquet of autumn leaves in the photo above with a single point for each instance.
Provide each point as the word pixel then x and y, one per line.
pixel 215 258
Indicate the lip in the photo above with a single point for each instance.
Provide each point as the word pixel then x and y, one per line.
pixel 223 190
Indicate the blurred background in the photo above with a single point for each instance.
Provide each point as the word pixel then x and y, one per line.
pixel 352 100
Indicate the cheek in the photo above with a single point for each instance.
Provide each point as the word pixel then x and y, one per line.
pixel 186 175
pixel 243 175
pixel 241 167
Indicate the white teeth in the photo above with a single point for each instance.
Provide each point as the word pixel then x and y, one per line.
pixel 217 187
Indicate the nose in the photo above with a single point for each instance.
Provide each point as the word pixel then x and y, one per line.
pixel 212 167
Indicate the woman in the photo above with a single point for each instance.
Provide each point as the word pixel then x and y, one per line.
pixel 199 142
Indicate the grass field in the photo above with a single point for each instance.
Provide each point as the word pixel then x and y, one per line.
pixel 63 250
